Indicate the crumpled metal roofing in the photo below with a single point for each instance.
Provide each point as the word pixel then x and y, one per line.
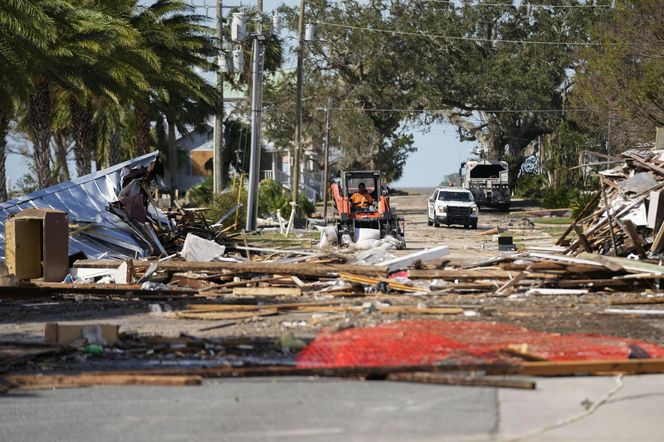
pixel 86 199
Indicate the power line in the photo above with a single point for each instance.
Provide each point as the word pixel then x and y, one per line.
pixel 451 37
pixel 509 5
pixel 491 111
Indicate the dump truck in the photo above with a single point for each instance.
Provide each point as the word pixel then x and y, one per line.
pixel 378 215
pixel 488 181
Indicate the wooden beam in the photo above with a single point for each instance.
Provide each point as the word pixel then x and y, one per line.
pixel 630 229
pixel 544 368
pixel 34 292
pixel 45 381
pixel 582 238
pixel 267 291
pixel 269 268
pixel 658 243
pixel 469 381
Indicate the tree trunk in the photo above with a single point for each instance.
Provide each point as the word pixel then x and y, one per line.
pixel 60 143
pixel 40 116
pixel 172 158
pixel 4 129
pixel 81 117
pixel 143 138
pixel 114 146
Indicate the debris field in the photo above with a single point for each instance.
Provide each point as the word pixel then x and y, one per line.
pixel 146 296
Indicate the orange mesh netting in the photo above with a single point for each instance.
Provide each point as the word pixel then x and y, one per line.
pixel 422 342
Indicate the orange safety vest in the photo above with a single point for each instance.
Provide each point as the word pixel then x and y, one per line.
pixel 361 200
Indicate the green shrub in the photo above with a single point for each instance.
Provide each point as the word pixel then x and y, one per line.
pixel 272 196
pixel 530 185
pixel 200 194
pixel 559 198
pixel 225 202
pixel 579 203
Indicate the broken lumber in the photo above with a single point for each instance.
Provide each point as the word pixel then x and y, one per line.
pixel 45 381
pixel 392 284
pixel 270 268
pixel 469 381
pixel 267 291
pixel 544 368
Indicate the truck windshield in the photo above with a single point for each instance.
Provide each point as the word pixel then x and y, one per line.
pixel 455 196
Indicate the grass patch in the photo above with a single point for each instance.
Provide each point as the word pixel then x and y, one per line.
pixel 558 220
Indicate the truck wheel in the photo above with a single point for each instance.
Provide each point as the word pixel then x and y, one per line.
pixel 429 222
pixel 435 221
pixel 474 225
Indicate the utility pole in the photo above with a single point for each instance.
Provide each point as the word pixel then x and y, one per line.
pixel 218 176
pixel 256 111
pixel 326 154
pixel 298 107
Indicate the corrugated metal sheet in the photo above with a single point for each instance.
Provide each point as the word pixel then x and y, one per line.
pixel 86 200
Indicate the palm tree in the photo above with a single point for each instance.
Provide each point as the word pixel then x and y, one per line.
pixel 96 54
pixel 25 33
pixel 183 45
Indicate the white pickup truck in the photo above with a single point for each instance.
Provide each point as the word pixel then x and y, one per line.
pixel 452 205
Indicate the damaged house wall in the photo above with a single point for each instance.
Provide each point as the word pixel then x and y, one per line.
pixel 97 232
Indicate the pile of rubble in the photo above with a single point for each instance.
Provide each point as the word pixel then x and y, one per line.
pixel 110 214
pixel 625 217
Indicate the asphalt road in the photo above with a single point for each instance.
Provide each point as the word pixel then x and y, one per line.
pixel 336 410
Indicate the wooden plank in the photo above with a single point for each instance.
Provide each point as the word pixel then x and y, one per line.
pixel 267 291
pixel 535 266
pixel 646 165
pixel 630 265
pixel 469 381
pixel 245 311
pixel 565 259
pixel 582 238
pixel 638 301
pixel 658 243
pixel 509 285
pixel 453 274
pixel 630 229
pixel 45 381
pixel 217 316
pixel 575 368
pixel 406 309
pixel 394 285
pixel 269 268
pixel 544 368
pixel 33 292
pixel 593 283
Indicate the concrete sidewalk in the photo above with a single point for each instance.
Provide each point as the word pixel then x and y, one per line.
pixel 336 410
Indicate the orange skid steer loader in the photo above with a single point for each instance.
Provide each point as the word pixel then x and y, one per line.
pixel 378 215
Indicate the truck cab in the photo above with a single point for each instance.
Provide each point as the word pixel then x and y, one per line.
pixel 452 205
